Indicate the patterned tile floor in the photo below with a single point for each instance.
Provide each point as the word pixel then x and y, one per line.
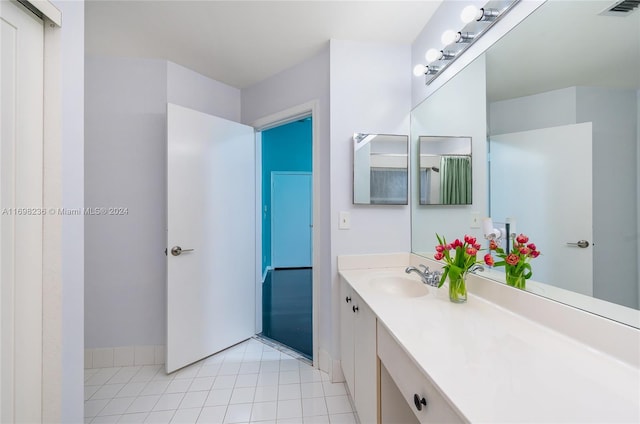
pixel 248 383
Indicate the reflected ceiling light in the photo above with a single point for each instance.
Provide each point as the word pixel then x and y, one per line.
pixel 433 55
pixel 450 36
pixel 472 13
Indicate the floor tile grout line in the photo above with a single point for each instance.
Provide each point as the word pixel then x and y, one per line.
pixel 239 357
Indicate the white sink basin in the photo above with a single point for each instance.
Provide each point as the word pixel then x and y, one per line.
pixel 399 286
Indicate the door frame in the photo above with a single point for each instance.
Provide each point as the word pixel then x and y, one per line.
pixel 270 121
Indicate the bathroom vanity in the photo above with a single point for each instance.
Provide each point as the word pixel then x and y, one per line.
pixel 410 355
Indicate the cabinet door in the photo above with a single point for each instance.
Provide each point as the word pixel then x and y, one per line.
pixel 346 335
pixel 365 362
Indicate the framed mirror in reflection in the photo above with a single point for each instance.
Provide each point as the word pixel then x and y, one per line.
pixel 380 169
pixel 445 170
pixel 563 137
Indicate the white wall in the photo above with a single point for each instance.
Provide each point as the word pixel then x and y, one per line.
pixel 298 85
pixel 72 89
pixel 125 166
pixel 370 92
pixel 190 89
pixel 457 109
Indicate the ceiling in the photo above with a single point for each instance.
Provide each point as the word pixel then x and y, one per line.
pixel 241 42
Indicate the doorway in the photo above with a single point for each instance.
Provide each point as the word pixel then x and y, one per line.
pixel 286 184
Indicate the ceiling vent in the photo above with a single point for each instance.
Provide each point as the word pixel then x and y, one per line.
pixel 621 8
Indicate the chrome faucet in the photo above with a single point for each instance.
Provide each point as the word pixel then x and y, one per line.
pixel 431 278
pixel 475 268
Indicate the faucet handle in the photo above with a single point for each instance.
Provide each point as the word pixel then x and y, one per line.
pixel 425 268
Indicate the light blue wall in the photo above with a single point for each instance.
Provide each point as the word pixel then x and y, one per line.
pixel 284 148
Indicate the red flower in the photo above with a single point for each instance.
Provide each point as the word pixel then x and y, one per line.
pixel 525 250
pixel 531 246
pixel 438 256
pixel 512 259
pixel 534 253
pixel 522 239
pixel 493 245
pixel 488 259
pixel 472 251
pixel 457 243
pixel 448 246
pixel 470 240
pixel 477 246
pixel 439 248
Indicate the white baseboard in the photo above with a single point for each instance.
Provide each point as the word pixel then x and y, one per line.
pixel 124 356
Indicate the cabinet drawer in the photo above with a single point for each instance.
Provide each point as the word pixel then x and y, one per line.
pixel 411 381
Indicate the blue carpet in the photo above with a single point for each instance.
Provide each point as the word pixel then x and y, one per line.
pixel 286 308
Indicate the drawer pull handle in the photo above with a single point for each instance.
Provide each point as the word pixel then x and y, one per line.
pixel 347 299
pixel 355 308
pixel 420 402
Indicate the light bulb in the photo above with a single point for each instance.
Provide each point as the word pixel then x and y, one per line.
pixel 470 14
pixel 419 70
pixel 449 37
pixel 432 55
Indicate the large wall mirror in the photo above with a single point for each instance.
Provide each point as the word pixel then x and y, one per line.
pixel 560 105
pixel 380 169
pixel 445 170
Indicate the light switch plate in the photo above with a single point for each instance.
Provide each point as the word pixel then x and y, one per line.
pixel 475 220
pixel 345 220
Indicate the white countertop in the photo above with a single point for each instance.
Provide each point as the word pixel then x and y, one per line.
pixel 496 366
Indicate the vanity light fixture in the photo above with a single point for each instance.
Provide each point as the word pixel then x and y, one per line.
pixel 433 55
pixel 451 36
pixel 472 13
pixel 425 70
pixel 477 22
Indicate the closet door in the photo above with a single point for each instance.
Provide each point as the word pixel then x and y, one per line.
pixel 21 190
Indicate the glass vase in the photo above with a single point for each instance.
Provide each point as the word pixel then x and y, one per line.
pixel 515 279
pixel 457 285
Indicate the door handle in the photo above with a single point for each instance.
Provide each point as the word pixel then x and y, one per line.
pixel 583 244
pixel 177 250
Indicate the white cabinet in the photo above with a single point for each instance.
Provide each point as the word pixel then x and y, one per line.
pixel 358 353
pixel 420 394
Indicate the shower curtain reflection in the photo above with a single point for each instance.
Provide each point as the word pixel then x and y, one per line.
pixel 455 180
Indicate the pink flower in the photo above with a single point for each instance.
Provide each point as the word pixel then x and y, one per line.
pixel 470 240
pixel 512 259
pixel 534 253
pixel 531 246
pixel 472 251
pixel 488 259
pixel 438 256
pixel 477 246
pixel 493 245
pixel 525 250
pixel 522 239
pixel 448 246
pixel 457 243
pixel 439 248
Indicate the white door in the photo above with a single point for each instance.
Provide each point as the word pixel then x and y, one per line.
pixel 21 170
pixel 542 177
pixel 211 209
pixel 291 219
